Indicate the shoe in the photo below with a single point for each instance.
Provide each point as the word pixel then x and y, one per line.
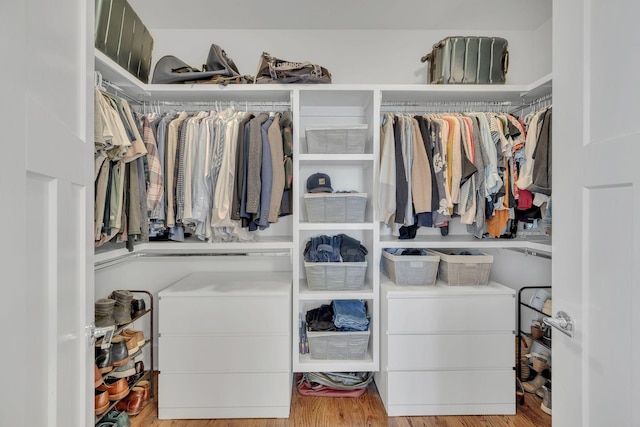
pixel 133 379
pixel 519 392
pixel 137 356
pixel 103 359
pixel 104 309
pixel 539 361
pixel 123 371
pixel 97 376
pixel 546 399
pixel 146 397
pixel 122 309
pixel 101 401
pixel 137 335
pixel 117 388
pixel 138 307
pixel 132 345
pixel 119 351
pixel 525 370
pixel 132 404
pixel 118 418
pixel 533 385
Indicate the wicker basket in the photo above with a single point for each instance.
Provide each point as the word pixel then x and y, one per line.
pixel 335 207
pixel 350 345
pixel 340 139
pixel 456 269
pixel 410 269
pixel 335 276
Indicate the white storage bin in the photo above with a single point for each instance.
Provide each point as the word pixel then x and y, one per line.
pixel 350 345
pixel 335 276
pixel 456 269
pixel 411 269
pixel 335 207
pixel 337 139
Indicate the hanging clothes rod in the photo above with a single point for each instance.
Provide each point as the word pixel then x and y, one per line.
pixel 536 104
pixel 445 107
pixel 218 105
pixel 117 91
pixel 531 252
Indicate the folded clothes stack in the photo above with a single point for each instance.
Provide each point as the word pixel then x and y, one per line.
pixel 340 248
pixel 340 315
pixel 350 315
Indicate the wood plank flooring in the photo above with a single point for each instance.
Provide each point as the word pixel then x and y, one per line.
pixel 365 411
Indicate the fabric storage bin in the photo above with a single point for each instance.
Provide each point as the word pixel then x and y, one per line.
pixel 351 345
pixel 411 269
pixel 338 139
pixel 457 269
pixel 335 276
pixel 335 207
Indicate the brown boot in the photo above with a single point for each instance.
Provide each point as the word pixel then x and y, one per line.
pixel 132 404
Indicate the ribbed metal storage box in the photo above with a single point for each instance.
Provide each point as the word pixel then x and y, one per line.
pixel 468 60
pixel 121 35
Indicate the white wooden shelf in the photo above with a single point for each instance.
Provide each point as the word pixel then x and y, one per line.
pixel 306 294
pixel 326 104
pixel 322 95
pixel 539 244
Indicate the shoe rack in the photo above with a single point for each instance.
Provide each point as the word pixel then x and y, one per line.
pixel 148 373
pixel 540 338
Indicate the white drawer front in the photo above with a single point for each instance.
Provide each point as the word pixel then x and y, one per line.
pixel 431 352
pixel 223 390
pixel 451 387
pixel 462 314
pixel 248 353
pixel 184 315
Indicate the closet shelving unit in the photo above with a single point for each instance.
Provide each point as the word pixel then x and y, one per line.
pixel 330 104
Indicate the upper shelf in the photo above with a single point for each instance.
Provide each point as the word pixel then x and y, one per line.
pixel 113 73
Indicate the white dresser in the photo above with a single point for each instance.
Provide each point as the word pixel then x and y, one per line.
pixel 447 350
pixel 224 346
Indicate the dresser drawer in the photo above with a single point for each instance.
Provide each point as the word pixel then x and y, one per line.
pixel 451 314
pixel 223 390
pixel 224 315
pixel 464 351
pixel 247 353
pixel 452 387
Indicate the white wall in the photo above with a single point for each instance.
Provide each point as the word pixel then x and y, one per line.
pixel 352 56
pixel 542 38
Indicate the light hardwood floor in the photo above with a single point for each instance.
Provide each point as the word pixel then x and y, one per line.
pixel 365 411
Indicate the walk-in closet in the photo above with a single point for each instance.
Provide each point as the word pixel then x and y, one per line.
pixel 220 269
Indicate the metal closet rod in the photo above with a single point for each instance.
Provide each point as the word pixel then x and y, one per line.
pixel 446 106
pixel 531 252
pixel 223 103
pixel 106 84
pixel 536 104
